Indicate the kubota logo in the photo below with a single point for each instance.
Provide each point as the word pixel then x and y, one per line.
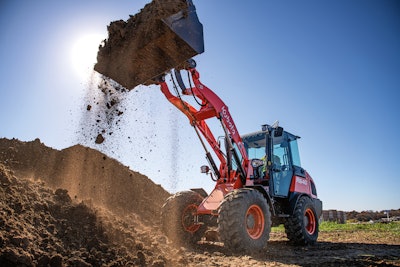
pixel 301 181
pixel 228 120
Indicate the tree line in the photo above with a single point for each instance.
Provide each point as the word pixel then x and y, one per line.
pixel 369 215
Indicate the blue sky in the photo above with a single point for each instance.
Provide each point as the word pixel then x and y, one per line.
pixel 329 71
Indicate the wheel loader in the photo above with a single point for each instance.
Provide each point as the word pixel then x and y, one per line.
pixel 259 180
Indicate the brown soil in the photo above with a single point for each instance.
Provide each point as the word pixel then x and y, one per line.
pixel 78 207
pixel 143 47
pixel 86 174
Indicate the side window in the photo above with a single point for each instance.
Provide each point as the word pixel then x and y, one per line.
pixel 280 157
pixel 295 153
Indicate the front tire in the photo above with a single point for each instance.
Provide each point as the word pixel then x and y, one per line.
pixel 244 221
pixel 178 218
pixel 302 227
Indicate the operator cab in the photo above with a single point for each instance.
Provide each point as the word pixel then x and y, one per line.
pixel 275 158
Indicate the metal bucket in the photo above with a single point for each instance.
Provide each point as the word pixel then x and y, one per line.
pixel 150 43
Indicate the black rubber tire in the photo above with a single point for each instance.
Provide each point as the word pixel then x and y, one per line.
pixel 302 227
pixel 176 216
pixel 239 211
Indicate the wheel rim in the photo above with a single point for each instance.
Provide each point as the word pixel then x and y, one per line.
pixel 310 222
pixel 189 219
pixel 255 222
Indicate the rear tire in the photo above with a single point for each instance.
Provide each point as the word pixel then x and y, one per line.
pixel 302 227
pixel 178 217
pixel 244 221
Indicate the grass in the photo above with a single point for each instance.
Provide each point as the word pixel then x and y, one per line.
pixel 368 233
pixel 392 228
pixel 277 229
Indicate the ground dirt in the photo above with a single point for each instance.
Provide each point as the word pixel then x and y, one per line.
pixel 78 207
pixel 143 47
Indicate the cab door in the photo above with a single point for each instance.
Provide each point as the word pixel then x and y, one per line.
pixel 282 170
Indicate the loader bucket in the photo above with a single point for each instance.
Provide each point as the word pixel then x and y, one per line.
pixel 162 36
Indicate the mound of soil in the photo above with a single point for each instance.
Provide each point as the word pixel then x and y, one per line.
pixel 144 47
pixel 42 227
pixel 86 174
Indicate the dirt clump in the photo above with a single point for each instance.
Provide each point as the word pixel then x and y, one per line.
pixel 99 139
pixel 143 47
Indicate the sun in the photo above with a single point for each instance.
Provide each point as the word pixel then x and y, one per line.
pixel 84 52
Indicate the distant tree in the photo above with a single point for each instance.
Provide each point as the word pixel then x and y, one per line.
pixel 352 215
pixel 368 215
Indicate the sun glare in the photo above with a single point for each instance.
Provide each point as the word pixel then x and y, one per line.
pixel 84 52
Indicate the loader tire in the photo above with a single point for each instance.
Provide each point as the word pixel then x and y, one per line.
pixel 244 221
pixel 302 227
pixel 178 218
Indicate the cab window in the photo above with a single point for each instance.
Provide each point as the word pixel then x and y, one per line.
pixel 256 152
pixel 295 153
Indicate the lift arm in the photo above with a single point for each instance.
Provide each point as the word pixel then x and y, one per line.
pixel 211 106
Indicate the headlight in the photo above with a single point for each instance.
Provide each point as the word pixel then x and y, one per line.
pixel 204 169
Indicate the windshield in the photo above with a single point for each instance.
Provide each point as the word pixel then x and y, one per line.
pixel 255 145
pixel 256 152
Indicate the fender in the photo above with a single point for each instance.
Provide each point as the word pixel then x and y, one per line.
pixel 265 193
pixel 294 198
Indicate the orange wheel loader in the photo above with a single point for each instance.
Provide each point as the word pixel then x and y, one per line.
pixel 259 181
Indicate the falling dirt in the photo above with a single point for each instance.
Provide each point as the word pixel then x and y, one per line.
pixel 99 139
pixel 102 111
pixel 78 207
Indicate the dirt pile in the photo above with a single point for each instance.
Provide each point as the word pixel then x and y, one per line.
pixel 41 227
pixel 86 174
pixel 144 47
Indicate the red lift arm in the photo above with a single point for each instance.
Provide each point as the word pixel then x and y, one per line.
pixel 212 106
